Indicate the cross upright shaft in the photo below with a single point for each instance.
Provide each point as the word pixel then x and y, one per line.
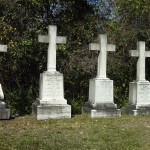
pixel 142 54
pixel 103 47
pixel 52 39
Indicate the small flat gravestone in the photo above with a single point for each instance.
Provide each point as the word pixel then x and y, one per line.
pixel 51 102
pixel 4 113
pixel 139 90
pixel 101 99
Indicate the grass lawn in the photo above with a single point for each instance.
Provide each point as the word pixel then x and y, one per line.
pixel 78 133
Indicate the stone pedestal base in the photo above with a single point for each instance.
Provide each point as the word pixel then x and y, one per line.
pixel 101 110
pixel 100 102
pixel 139 98
pixel 56 111
pixel 4 113
pixel 135 110
pixel 51 102
pixel 101 91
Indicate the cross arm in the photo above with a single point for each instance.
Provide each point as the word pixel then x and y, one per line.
pixel 147 53
pixel 61 39
pixel 43 39
pixel 94 46
pixel 111 47
pixel 46 39
pixel 3 48
pixel 134 53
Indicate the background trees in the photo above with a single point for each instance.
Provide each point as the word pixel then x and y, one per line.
pixel 81 21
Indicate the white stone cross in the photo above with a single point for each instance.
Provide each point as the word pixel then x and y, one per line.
pixel 103 47
pixel 141 53
pixel 52 39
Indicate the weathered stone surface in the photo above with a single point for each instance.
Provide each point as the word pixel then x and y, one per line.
pixel 100 91
pixel 139 98
pixel 139 90
pixel 51 102
pixel 101 110
pixel 47 111
pixel 100 102
pixel 101 98
pixel 4 113
pixel 51 88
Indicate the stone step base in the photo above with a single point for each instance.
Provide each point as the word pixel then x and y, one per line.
pixel 101 110
pixel 4 114
pixel 137 110
pixel 42 112
pixel 2 105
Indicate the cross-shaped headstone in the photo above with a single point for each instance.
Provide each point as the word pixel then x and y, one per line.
pixel 52 39
pixel 103 47
pixel 142 54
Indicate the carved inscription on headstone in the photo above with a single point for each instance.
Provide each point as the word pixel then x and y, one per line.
pixel 143 92
pixel 105 89
pixel 53 87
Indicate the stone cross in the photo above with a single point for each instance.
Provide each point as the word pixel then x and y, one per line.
pixel 103 47
pixel 3 48
pixel 142 54
pixel 52 39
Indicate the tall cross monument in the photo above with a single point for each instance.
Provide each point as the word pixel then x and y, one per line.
pixel 139 90
pixel 101 99
pixel 51 102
